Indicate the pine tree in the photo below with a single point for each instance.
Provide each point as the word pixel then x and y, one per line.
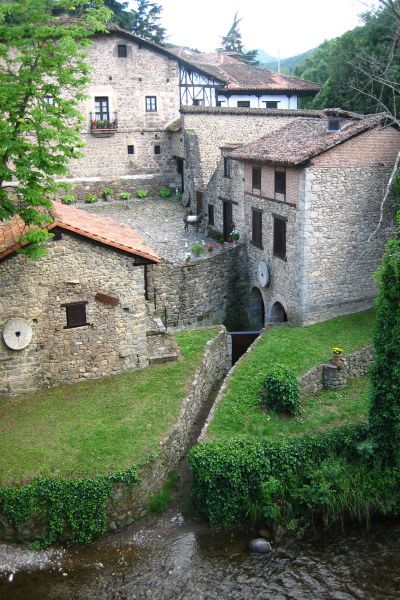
pixel 146 21
pixel 232 42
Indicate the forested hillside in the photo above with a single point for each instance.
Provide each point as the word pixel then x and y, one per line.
pixel 351 68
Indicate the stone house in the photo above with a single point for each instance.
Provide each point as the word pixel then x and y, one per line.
pixel 79 312
pixel 137 91
pixel 306 200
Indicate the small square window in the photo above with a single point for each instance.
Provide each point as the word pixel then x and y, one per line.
pixel 211 214
pixel 243 104
pixel 157 149
pixel 333 124
pixel 151 103
pixel 131 149
pixel 227 167
pixel 198 102
pixel 76 314
pixel 256 178
pixel 220 102
pixel 280 181
pixel 48 100
pixel 122 51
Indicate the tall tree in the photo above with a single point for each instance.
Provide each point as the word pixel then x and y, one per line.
pixel 146 21
pixel 232 42
pixel 42 77
pixel 120 15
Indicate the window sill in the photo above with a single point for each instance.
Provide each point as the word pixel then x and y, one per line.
pixel 283 258
pixel 257 246
pixel 77 326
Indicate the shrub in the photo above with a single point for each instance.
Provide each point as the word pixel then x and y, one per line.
pixel 125 195
pixel 280 390
pixel 68 199
pixel 108 191
pixel 90 198
pixel 142 193
pixel 165 192
pixel 179 196
pixel 198 250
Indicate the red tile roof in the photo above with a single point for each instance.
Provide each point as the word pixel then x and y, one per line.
pixel 100 229
pixel 303 138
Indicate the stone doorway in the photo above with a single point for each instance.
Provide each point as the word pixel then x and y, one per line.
pixel 256 310
pixel 278 314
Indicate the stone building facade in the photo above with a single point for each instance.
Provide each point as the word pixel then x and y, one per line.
pixel 105 284
pixel 314 235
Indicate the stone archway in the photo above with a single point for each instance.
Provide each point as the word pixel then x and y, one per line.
pixel 278 313
pixel 256 309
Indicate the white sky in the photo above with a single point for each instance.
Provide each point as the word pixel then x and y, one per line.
pixel 290 26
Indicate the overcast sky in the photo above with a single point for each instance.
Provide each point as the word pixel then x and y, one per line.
pixel 290 26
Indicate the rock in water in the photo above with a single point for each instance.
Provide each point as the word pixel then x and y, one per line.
pixel 260 545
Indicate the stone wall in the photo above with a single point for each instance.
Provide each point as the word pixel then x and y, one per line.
pixel 329 376
pixel 73 271
pixel 126 506
pixel 208 291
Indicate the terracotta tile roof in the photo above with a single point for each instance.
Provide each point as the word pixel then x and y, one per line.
pixel 303 138
pixel 100 229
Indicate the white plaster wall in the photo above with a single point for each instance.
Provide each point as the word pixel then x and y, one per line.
pixel 258 101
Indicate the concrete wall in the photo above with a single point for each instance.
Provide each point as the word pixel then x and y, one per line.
pixel 73 271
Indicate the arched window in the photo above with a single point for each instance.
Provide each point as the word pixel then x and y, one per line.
pixel 278 313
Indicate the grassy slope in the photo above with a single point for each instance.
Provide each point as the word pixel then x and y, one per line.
pixel 300 349
pixel 96 426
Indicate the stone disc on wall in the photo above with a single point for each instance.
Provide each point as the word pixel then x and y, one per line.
pixel 17 334
pixel 263 273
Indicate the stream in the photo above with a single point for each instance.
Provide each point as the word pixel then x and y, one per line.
pixel 175 559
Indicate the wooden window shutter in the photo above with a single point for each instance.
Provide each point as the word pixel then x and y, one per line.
pixel 256 178
pixel 256 234
pixel 279 237
pixel 76 314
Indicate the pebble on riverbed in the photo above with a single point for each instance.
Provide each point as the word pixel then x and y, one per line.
pixel 260 545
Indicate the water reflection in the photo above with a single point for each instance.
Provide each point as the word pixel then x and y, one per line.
pixel 191 561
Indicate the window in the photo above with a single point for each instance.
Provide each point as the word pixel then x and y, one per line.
pixel 122 51
pixel 151 104
pixel 157 149
pixel 76 314
pixel 101 107
pixel 280 237
pixel 48 100
pixel 211 214
pixel 256 227
pixel 256 178
pixel 198 102
pixel 271 104
pixel 333 124
pixel 220 102
pixel 280 181
pixel 227 167
pixel 243 104
pixel 131 149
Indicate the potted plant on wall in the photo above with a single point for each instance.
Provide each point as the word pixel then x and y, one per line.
pixel 337 356
pixel 108 194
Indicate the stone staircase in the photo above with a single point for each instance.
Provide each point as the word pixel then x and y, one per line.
pixel 161 346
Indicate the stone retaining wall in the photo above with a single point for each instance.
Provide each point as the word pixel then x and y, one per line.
pixel 329 376
pixel 124 506
pixel 207 291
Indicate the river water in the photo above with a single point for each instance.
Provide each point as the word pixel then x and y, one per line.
pixel 174 559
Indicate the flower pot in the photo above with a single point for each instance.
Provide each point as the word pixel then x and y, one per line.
pixel 336 360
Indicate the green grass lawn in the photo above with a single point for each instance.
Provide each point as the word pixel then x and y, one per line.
pixel 299 348
pixel 98 426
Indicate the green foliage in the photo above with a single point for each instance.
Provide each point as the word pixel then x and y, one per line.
pixel 108 191
pixel 198 250
pixel 68 199
pixel 125 195
pixel 90 198
pixel 146 21
pixel 179 196
pixel 142 193
pixel 232 42
pixel 280 390
pixel 360 69
pixel 295 482
pixel 159 501
pixel 165 192
pixel 73 508
pixel 42 75
pixel 385 374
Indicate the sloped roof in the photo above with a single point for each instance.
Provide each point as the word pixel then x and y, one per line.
pixel 229 69
pixel 303 138
pixel 103 230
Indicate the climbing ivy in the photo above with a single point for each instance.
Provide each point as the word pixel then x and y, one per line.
pixel 75 509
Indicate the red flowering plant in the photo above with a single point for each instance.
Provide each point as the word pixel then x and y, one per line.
pixel 209 246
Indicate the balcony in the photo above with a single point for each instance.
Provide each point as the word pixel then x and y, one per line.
pixel 103 124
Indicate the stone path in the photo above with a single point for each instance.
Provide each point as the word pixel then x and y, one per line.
pixel 158 221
